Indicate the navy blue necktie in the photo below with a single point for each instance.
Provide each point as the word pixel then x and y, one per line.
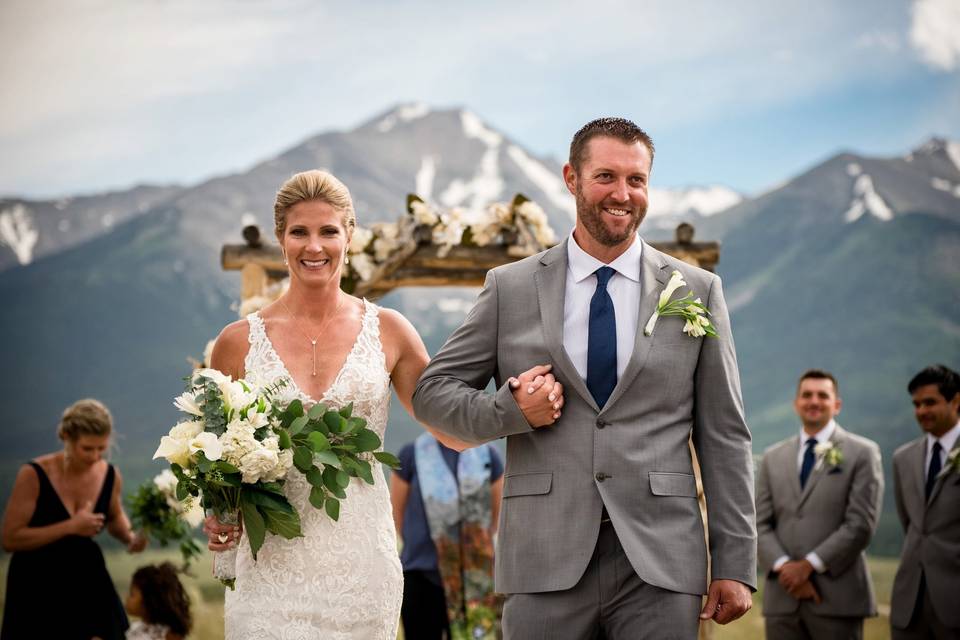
pixel 809 458
pixel 934 469
pixel 602 341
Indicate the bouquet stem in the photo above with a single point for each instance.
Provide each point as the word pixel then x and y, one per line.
pixel 225 562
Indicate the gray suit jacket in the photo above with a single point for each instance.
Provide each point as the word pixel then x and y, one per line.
pixel 632 456
pixel 835 515
pixel 932 543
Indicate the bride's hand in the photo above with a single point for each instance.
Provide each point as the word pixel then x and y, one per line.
pixel 220 537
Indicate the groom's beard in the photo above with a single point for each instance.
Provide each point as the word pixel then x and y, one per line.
pixel 591 215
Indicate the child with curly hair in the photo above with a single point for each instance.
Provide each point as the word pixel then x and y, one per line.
pixel 158 598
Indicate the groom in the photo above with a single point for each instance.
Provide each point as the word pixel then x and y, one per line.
pixel 600 528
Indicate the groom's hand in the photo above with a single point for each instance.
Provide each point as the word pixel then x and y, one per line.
pixel 727 600
pixel 539 395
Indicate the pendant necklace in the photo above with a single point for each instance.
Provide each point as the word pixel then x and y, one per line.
pixel 313 341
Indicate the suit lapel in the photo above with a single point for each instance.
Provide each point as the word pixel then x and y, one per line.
pixel 551 282
pixel 821 467
pixel 653 277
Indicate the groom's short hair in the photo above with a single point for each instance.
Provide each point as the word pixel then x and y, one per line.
pixel 819 374
pixel 619 128
pixel 946 379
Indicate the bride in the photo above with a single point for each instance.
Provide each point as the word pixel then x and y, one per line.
pixel 341 580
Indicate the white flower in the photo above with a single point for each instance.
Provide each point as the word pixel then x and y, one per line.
pixel 533 213
pixel 186 430
pixel 694 329
pixel 187 403
pixel 423 214
pixel 209 444
pixel 212 374
pixel 166 482
pixel 191 511
pixel 260 464
pixel 174 450
pixel 361 238
pixel 676 281
pixel 238 441
pixel 208 350
pixel 363 266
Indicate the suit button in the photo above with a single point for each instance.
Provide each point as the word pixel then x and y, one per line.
pixel 601 476
pixel 601 423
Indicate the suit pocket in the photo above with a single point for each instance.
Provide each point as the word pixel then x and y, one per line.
pixel 527 484
pixel 666 483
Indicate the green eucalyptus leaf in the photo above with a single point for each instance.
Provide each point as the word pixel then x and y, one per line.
pixel 317 497
pixel 316 411
pixel 332 507
pixel 284 439
pixel 315 477
pixel 295 408
pixel 343 479
pixel 387 458
pixel 318 441
pixel 327 457
pixel 267 500
pixel 298 424
pixel 303 458
pixel 332 419
pixel 330 482
pixel 364 471
pixel 225 467
pixel 347 411
pixel 182 491
pixel 366 440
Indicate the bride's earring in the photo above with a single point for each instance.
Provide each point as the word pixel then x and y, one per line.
pixel 284 254
pixel 346 259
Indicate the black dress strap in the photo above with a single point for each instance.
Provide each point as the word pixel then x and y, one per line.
pixel 106 492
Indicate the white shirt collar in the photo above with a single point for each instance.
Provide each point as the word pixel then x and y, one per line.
pixel 582 265
pixel 947 440
pixel 822 436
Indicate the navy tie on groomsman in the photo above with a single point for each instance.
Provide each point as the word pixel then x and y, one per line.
pixel 602 341
pixel 926 483
pixel 812 533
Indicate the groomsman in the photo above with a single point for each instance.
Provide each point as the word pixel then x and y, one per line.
pixel 926 483
pixel 818 502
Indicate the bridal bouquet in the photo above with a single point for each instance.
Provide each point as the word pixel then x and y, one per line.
pixel 233 454
pixel 240 441
pixel 155 510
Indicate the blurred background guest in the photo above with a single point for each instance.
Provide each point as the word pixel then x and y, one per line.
pixel 446 506
pixel 158 598
pixel 57 583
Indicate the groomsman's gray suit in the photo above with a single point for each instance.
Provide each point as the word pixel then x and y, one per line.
pixel 931 548
pixel 833 516
pixel 632 456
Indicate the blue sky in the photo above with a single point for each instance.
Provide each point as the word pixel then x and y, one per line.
pixel 106 94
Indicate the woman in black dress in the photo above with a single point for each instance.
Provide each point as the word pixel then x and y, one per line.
pixel 57 583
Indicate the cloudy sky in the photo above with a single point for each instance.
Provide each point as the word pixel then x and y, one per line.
pixel 102 94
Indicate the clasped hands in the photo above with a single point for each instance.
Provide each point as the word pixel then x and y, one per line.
pixel 794 577
pixel 538 394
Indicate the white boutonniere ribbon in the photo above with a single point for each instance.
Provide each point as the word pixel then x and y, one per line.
pixel 690 309
pixel 953 463
pixel 828 452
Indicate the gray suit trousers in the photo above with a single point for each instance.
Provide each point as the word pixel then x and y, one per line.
pixel 610 601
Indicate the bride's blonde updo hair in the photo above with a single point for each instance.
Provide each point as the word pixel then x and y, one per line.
pixel 313 185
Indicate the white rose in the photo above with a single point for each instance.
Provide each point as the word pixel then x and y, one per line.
pixel 238 441
pixel 186 430
pixel 258 463
pixel 165 482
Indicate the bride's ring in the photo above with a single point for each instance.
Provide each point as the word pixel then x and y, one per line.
pixel 222 537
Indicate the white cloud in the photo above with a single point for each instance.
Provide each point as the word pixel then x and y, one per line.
pixel 935 32
pixel 885 40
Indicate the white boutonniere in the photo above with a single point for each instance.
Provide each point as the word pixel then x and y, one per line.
pixel 690 309
pixel 953 463
pixel 828 452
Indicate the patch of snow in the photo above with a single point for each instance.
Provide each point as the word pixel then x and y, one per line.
pixel 107 220
pixel 425 175
pixel 247 219
pixel 867 200
pixel 455 305
pixel 61 204
pixel 953 152
pixel 547 181
pixel 940 184
pixel 64 225
pixel 473 127
pixel 854 169
pixel 704 200
pixel 18 233
pixel 403 113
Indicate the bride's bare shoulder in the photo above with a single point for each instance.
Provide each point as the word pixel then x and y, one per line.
pixel 230 349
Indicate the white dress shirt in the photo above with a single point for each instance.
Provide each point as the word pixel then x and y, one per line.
pixel 947 441
pixel 624 289
pixel 821 436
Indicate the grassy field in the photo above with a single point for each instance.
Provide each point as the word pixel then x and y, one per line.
pixel 207 596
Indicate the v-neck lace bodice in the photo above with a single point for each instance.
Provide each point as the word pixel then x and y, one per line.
pixel 342 580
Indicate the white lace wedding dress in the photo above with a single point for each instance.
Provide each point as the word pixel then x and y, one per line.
pixel 341 580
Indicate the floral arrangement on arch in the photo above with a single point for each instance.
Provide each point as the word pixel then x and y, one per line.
pixel 501 223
